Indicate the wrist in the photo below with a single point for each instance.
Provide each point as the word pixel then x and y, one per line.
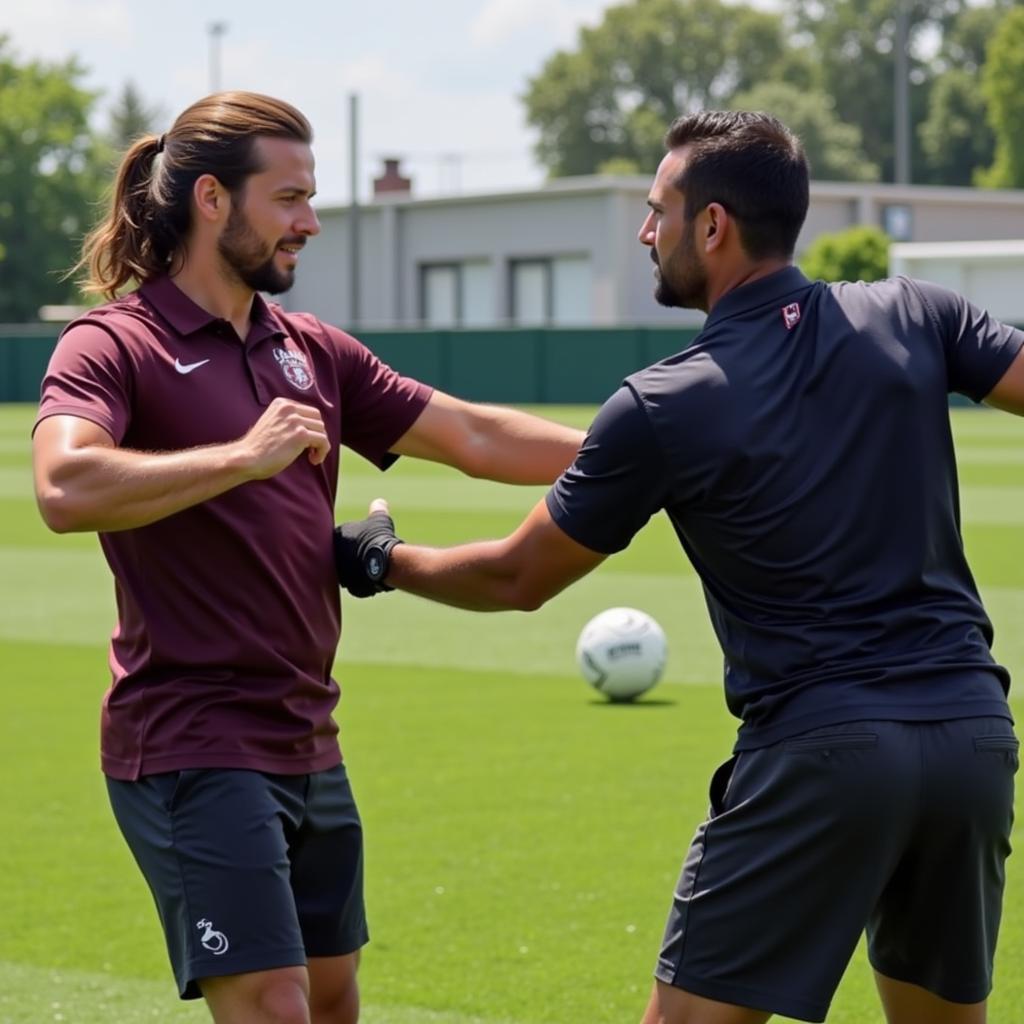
pixel 239 462
pixel 377 561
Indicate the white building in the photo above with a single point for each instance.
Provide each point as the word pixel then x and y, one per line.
pixel 567 254
pixel 990 274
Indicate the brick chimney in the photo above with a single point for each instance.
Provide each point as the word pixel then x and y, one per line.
pixel 392 180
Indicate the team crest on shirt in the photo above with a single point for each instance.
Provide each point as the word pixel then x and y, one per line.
pixel 295 368
pixel 791 315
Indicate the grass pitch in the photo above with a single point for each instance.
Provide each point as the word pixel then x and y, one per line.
pixel 523 836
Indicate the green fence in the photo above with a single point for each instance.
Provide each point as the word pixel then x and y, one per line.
pixel 541 365
pixel 24 352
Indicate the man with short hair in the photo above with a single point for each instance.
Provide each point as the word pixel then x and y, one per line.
pixel 197 427
pixel 802 449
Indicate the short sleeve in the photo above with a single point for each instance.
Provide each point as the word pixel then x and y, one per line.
pixel 378 405
pixel 89 376
pixel 979 348
pixel 617 482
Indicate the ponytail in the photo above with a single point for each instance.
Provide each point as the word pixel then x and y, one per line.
pixel 123 247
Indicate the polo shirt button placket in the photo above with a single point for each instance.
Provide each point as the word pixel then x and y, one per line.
pixel 261 392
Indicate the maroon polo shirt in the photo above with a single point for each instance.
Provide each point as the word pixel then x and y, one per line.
pixel 228 612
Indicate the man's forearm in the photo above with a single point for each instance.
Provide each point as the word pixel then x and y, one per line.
pixel 472 576
pixel 104 489
pixel 84 482
pixel 519 448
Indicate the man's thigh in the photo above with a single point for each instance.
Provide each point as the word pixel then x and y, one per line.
pixel 781 879
pixel 327 868
pixel 936 922
pixel 213 846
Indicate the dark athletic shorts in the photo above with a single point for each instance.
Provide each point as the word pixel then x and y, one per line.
pixel 249 871
pixel 901 828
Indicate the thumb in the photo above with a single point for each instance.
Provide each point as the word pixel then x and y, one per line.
pixel 379 505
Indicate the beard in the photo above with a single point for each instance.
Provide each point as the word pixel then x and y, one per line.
pixel 682 281
pixel 250 259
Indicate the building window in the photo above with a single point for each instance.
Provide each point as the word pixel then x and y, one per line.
pixel 898 221
pixel 531 292
pixel 552 290
pixel 457 294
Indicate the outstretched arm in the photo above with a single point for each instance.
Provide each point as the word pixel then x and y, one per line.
pixel 490 441
pixel 522 571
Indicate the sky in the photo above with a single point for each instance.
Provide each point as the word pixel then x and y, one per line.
pixel 438 80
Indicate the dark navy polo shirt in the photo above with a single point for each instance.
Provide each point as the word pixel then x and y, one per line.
pixel 228 612
pixel 802 450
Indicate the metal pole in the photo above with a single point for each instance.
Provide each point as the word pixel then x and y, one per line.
pixel 353 209
pixel 901 95
pixel 215 30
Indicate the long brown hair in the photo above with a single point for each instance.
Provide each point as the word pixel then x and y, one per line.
pixel 150 205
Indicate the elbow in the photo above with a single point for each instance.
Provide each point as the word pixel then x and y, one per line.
pixel 57 511
pixel 525 598
pixel 476 464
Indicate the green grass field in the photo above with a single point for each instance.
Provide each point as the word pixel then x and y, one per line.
pixel 523 837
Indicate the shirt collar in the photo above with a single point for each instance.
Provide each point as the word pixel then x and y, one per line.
pixel 187 317
pixel 762 292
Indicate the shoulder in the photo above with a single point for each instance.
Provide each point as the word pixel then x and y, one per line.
pixel 690 373
pixel 127 320
pixel 889 294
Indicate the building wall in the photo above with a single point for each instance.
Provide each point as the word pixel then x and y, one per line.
pixel 595 218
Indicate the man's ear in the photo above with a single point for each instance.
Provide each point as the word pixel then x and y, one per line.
pixel 716 226
pixel 210 198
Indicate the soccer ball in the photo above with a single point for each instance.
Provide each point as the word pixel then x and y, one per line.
pixel 622 653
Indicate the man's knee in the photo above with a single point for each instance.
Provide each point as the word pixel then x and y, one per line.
pixel 671 1005
pixel 264 997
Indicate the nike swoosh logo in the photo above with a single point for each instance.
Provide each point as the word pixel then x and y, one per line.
pixel 189 367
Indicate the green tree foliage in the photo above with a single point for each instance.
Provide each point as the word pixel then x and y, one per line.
pixel 853 43
pixel 130 118
pixel 608 100
pixel 1002 82
pixel 856 254
pixel 648 61
pixel 50 174
pixel 955 138
pixel 833 148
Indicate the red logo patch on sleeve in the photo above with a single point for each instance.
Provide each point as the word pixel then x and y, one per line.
pixel 791 315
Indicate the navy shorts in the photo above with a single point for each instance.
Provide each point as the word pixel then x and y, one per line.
pixel 249 871
pixel 899 828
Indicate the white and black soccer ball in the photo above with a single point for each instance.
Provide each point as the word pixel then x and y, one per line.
pixel 622 653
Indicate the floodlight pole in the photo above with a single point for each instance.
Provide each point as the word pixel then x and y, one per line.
pixel 215 30
pixel 353 210
pixel 901 95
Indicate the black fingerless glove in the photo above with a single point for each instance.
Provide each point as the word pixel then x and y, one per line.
pixel 362 554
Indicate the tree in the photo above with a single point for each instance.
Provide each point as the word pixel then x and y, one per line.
pixel 50 175
pixel 647 62
pixel 833 148
pixel 856 254
pixel 130 118
pixel 1002 83
pixel 956 138
pixel 853 45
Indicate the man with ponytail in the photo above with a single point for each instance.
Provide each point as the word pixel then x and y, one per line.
pixel 196 427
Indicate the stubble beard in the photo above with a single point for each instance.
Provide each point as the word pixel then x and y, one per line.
pixel 246 256
pixel 682 282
